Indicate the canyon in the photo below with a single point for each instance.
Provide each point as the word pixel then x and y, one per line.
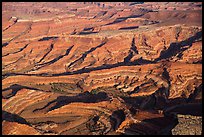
pixel 101 68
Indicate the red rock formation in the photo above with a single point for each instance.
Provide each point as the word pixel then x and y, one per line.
pixel 95 68
pixel 14 128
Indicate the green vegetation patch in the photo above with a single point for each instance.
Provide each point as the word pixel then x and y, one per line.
pixel 64 88
pixel 94 91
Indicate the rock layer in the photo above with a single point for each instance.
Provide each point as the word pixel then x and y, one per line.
pixel 95 68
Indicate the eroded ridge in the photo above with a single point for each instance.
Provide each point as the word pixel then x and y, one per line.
pixel 101 68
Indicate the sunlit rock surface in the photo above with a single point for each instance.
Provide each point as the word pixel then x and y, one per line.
pixel 101 68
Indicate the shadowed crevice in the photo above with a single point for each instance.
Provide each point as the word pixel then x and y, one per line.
pixel 127 28
pixel 87 32
pixel 170 52
pixel 21 49
pixel 85 70
pixel 5 44
pixel 192 96
pixel 116 118
pixel 15 88
pixel 47 38
pixel 194 109
pixel 154 124
pixel 51 47
pixel 51 62
pixel 177 47
pixel 59 57
pixel 82 97
pixel 14 22
pixel 13 118
pixel 88 52
pixel 118 20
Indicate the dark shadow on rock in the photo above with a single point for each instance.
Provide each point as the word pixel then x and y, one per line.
pixel 82 97
pixel 134 101
pixel 194 109
pixel 155 101
pixel 192 97
pixel 58 58
pixel 171 51
pixel 47 38
pixel 5 44
pixel 123 19
pixel 92 124
pixel 116 118
pixel 15 88
pixel 135 3
pixel 165 75
pixel 13 118
pixel 86 32
pixel 126 28
pixel 88 29
pixel 177 47
pixel 153 126
pixel 89 51
pixel 51 47
pixel 21 49
pixel 166 124
pixel 126 62
pixel 100 14
pixel 106 66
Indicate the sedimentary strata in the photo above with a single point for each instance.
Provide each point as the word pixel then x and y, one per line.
pixel 101 68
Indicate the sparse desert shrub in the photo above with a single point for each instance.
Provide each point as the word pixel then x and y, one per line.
pixel 93 91
pixel 55 88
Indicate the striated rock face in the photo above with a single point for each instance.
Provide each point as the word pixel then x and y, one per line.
pixel 101 68
pixel 13 128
